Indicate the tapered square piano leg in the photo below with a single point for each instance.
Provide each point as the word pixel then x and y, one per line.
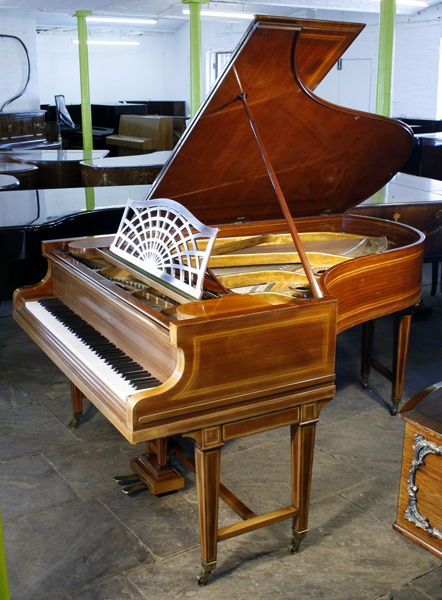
pixel 367 350
pixel 402 326
pixel 401 335
pixel 77 406
pixel 207 464
pixel 302 449
pixel 208 469
pixel 208 444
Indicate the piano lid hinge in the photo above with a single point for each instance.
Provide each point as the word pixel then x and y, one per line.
pixel 240 221
pixel 326 213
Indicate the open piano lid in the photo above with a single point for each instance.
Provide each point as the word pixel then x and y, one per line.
pixel 326 158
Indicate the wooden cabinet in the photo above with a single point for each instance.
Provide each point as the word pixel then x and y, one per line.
pixel 22 129
pixel 419 515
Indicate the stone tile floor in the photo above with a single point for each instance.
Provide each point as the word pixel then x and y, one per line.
pixel 71 534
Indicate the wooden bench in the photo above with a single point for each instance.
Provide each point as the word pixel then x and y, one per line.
pixel 138 134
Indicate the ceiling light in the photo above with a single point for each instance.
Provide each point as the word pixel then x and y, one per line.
pixel 121 20
pixel 413 3
pixel 222 15
pixel 418 3
pixel 109 43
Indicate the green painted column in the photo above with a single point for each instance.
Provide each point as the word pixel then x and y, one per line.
pixel 387 19
pixel 4 585
pixel 90 200
pixel 195 53
pixel 86 114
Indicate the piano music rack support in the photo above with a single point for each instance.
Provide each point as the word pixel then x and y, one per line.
pixel 207 466
pixel 401 334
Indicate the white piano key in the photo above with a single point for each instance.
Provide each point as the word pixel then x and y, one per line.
pixel 82 352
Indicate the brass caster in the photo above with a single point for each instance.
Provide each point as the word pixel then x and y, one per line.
pixel 395 401
pixel 74 423
pixel 297 537
pixel 294 546
pixel 203 577
pixel 365 382
pixel 394 409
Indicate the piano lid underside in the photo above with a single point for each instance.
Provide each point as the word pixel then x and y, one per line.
pixel 326 158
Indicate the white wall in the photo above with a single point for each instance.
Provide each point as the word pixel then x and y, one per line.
pixel 13 64
pixel 364 48
pixel 218 35
pixel 416 68
pixel 177 67
pixel 158 69
pixel 115 72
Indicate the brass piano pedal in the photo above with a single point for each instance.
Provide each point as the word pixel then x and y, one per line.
pixel 120 478
pixel 74 423
pixel 136 485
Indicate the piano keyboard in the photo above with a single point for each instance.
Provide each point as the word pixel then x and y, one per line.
pixel 122 374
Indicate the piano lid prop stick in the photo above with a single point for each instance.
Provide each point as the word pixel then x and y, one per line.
pixel 316 290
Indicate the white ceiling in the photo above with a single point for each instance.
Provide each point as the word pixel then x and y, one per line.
pixel 60 14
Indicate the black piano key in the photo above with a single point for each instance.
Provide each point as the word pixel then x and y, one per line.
pixel 128 366
pixel 142 386
pixel 137 377
pixel 115 358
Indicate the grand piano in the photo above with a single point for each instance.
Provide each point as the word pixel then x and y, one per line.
pixel 212 313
